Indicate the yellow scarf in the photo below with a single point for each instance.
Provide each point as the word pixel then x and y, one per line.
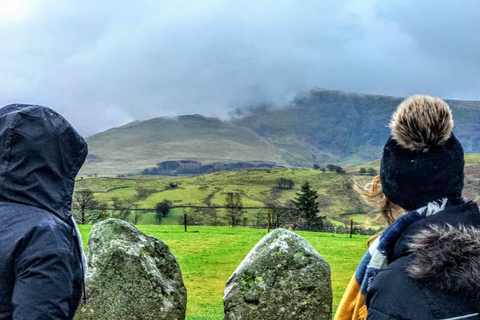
pixel 352 306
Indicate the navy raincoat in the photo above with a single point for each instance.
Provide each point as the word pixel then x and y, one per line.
pixel 41 274
pixel 434 271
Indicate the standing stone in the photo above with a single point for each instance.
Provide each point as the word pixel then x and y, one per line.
pixel 282 278
pixel 131 276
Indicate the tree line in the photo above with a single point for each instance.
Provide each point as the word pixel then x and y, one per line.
pixel 300 213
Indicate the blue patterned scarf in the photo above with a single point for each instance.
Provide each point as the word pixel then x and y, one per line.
pixel 376 258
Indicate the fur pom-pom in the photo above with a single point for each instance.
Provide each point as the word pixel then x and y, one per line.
pixel 421 122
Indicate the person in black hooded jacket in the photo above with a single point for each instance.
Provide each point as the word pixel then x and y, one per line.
pixel 426 265
pixel 41 259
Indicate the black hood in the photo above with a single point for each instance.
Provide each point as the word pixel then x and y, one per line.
pixel 448 257
pixel 41 153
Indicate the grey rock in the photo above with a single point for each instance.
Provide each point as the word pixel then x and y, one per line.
pixel 282 278
pixel 131 276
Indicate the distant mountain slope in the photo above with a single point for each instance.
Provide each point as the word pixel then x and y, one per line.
pixel 143 144
pixel 319 127
pixel 352 127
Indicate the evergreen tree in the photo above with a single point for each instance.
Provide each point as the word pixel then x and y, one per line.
pixel 306 203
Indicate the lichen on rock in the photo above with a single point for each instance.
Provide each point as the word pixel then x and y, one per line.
pixel 131 276
pixel 282 278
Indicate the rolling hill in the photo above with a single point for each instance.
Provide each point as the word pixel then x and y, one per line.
pixel 318 127
pixel 142 144
pixel 256 186
pixel 337 200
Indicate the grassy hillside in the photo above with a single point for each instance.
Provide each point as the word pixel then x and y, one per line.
pixel 209 255
pixel 352 127
pixel 257 187
pixel 143 144
pixel 319 127
pixel 336 198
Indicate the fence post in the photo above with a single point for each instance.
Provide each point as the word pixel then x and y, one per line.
pixel 351 227
pixel 185 221
pixel 104 213
pixel 268 220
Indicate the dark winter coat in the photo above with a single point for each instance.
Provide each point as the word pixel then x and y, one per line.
pixel 41 274
pixel 434 271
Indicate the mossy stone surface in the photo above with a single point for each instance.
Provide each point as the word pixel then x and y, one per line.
pixel 131 276
pixel 282 278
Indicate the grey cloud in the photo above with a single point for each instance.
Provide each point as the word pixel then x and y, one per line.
pixel 105 63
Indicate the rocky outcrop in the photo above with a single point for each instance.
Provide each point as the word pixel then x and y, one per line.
pixel 282 278
pixel 131 276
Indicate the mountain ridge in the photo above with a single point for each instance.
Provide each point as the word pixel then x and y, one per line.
pixel 318 127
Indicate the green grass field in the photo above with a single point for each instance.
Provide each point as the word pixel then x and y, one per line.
pixel 209 255
pixel 256 186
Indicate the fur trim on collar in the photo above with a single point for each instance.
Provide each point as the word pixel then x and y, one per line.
pixel 448 258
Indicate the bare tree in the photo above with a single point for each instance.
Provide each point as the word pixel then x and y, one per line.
pixel 261 218
pixel 283 216
pixel 206 216
pixel 85 208
pixel 195 217
pixel 136 215
pixel 122 207
pixel 234 207
pixel 214 219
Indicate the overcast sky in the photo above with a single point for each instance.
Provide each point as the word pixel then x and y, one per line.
pixel 105 63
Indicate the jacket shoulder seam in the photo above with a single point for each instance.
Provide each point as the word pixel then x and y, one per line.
pixel 43 255
pixel 389 315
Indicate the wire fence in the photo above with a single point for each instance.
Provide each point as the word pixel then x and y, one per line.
pixel 251 217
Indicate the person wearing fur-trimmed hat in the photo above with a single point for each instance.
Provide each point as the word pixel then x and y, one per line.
pixel 426 264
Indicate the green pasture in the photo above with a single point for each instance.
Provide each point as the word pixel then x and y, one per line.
pixel 256 186
pixel 209 255
pixel 472 159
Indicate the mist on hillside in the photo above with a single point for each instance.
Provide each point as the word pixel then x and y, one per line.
pixel 104 64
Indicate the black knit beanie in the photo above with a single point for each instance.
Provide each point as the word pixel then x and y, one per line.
pixel 422 160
